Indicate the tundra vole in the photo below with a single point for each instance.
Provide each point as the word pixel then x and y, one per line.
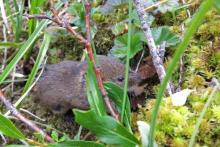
pixel 62 86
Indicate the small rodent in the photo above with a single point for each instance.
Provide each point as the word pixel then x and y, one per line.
pixel 62 86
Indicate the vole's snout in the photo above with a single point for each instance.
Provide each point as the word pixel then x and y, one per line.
pixel 135 90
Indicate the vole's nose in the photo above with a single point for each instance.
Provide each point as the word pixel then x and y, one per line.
pixel 135 90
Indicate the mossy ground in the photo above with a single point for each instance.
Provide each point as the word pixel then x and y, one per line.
pixel 201 64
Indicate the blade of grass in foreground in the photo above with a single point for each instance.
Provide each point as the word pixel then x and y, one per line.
pixel 42 52
pixel 199 121
pixel 196 21
pixel 25 47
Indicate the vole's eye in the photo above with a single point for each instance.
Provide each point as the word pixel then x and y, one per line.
pixel 120 79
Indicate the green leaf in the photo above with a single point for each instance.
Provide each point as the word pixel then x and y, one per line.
pixel 136 21
pixel 115 92
pixel 18 145
pixel 34 8
pixel 93 93
pixel 55 136
pixel 42 52
pixel 118 28
pixel 161 34
pixel 78 10
pixel 10 44
pixel 167 6
pixel 109 5
pixel 107 129
pixel 217 5
pixel 9 129
pixel 120 48
pixel 144 130
pixel 73 143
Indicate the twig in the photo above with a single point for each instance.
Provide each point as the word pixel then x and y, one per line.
pixel 31 114
pixel 158 64
pixel 4 17
pixel 12 80
pixel 181 74
pixel 58 21
pixel 188 12
pixel 4 139
pixel 155 5
pixel 17 114
pixel 92 59
pixel 162 50
pixel 5 49
pixel 87 135
pixel 181 68
pixel 139 62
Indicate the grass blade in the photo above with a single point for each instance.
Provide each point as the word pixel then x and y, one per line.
pixel 25 47
pixel 127 63
pixel 42 52
pixel 196 129
pixel 9 129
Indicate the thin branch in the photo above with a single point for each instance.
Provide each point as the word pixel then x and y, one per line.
pixel 5 49
pixel 155 5
pixel 4 17
pixel 158 63
pixel 181 68
pixel 57 19
pixel 139 62
pixel 18 115
pixel 92 59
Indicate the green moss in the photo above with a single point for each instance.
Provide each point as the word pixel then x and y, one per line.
pixel 176 124
pixel 178 142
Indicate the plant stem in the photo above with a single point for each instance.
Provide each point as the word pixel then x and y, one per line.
pixel 127 63
pixel 157 61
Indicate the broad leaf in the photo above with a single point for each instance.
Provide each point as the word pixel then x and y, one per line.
pixel 107 129
pixel 115 92
pixel 9 129
pixel 136 21
pixel 109 5
pixel 74 143
pixel 167 6
pixel 78 10
pixel 120 48
pixel 161 34
pixel 93 93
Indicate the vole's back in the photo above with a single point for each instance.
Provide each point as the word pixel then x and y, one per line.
pixel 62 86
